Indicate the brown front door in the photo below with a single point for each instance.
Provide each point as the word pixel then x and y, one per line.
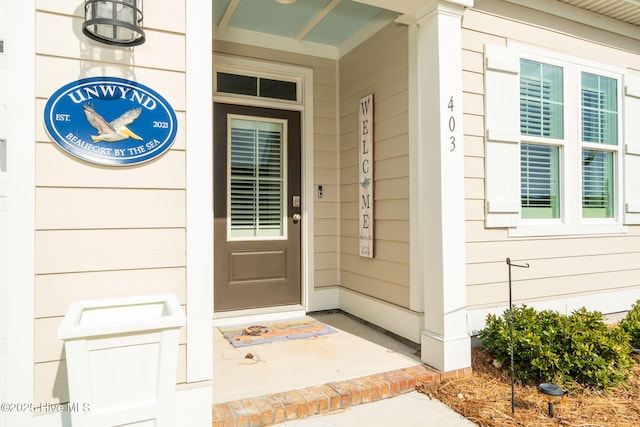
pixel 257 207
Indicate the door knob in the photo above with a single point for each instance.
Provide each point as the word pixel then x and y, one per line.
pixel 297 217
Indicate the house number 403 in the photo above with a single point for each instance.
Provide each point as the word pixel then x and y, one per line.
pixel 452 126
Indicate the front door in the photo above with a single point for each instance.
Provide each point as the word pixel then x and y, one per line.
pixel 257 207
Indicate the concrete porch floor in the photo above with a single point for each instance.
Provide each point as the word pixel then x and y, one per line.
pixel 300 378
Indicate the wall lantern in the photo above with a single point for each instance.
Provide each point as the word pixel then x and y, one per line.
pixel 114 22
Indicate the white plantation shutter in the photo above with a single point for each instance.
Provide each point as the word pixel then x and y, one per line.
pixel 256 181
pixel 541 116
pixel 502 147
pixel 599 109
pixel 599 118
pixel 540 181
pixel 632 149
pixel 597 184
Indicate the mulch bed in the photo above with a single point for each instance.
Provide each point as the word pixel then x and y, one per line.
pixel 485 399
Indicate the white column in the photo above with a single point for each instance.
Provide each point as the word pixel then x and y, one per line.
pixel 4 249
pixel 445 341
pixel 193 405
pixel 199 50
pixel 18 277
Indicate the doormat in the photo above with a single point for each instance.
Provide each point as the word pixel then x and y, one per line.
pixel 261 334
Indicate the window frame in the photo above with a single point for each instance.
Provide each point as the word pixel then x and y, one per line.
pixel 571 220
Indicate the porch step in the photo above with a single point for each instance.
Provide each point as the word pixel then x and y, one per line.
pixel 325 398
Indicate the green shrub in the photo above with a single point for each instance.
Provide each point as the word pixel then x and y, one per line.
pixel 550 347
pixel 631 324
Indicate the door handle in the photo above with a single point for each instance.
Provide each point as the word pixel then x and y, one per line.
pixel 296 218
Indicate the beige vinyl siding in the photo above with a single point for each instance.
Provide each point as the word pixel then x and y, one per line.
pixel 561 266
pixel 325 151
pixel 102 208
pixel 365 70
pixel 104 232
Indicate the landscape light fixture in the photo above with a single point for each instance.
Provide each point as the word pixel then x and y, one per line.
pixel 114 22
pixel 552 394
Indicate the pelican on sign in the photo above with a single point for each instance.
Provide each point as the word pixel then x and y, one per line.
pixel 116 130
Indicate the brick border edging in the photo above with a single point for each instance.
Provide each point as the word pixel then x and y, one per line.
pixel 325 398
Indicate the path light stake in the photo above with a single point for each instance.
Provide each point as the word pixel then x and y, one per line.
pixel 513 389
pixel 553 394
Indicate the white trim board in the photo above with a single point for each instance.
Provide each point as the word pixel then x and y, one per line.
pixel 606 303
pixel 405 323
pixel 265 315
pixel 327 298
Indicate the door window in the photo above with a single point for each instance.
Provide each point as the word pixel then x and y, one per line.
pixel 256 184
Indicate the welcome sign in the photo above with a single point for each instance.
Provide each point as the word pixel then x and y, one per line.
pixel 365 117
pixel 110 121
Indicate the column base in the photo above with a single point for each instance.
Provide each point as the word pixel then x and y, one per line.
pixel 445 354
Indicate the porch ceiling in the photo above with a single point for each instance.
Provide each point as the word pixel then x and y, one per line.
pixel 330 23
pixel 325 24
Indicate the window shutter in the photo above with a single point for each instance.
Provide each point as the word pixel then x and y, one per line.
pixel 502 139
pixel 539 180
pixel 632 149
pixel 256 181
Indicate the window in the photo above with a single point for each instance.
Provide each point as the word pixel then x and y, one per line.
pixel 542 116
pixel 559 165
pixel 256 86
pixel 549 136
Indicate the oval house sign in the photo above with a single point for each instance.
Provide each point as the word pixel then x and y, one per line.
pixel 110 121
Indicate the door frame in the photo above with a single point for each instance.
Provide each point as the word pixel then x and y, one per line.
pixel 303 76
